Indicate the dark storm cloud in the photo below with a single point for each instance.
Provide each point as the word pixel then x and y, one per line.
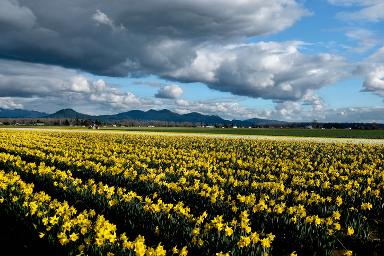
pixel 122 37
pixel 20 79
pixel 190 41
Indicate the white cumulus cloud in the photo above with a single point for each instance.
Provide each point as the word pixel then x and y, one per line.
pixel 169 92
pixel 372 70
pixel 269 70
pixel 374 80
pixel 369 10
pixel 9 103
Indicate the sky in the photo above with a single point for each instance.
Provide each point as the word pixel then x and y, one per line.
pixel 293 60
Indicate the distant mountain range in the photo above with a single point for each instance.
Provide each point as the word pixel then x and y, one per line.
pixel 20 113
pixel 138 115
pixel 68 114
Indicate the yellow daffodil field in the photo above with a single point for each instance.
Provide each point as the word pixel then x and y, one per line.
pixel 100 193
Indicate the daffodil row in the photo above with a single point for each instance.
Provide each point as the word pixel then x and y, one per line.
pixel 296 180
pixel 131 206
pixel 323 192
pixel 260 207
pixel 211 193
pixel 84 232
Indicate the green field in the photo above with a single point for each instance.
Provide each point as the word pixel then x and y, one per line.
pixel 335 133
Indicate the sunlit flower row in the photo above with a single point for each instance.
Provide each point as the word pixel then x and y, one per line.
pixel 213 195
